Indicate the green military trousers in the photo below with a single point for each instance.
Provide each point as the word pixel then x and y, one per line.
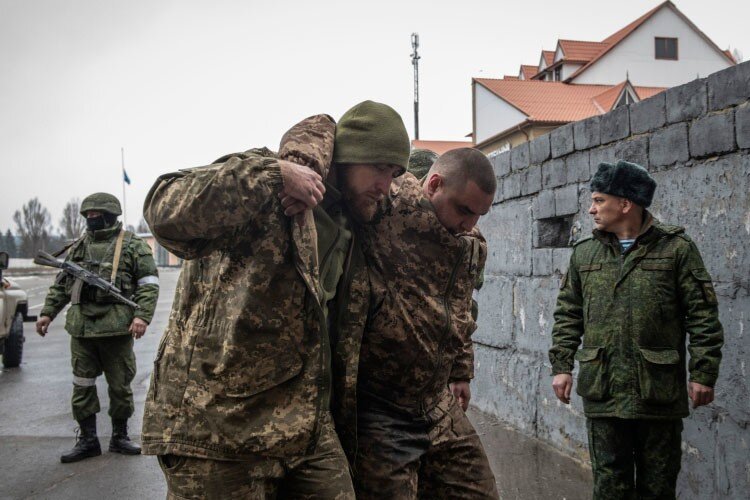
pixel 634 458
pixel 112 356
pixel 323 474
pixel 435 455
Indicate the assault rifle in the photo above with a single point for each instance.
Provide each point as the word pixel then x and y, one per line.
pixel 73 269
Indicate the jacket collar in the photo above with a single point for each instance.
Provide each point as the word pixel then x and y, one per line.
pixel 650 228
pixel 105 234
pixel 332 196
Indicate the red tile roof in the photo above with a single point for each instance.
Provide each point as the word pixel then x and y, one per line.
pixel 619 35
pixel 528 71
pixel 580 51
pixel 547 101
pixel 558 102
pixel 440 147
pixel 549 56
pixel 607 99
pixel 510 77
pixel 646 92
pixel 611 41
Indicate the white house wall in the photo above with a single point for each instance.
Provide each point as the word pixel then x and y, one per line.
pixel 492 115
pixel 635 55
pixel 569 69
pixel 558 54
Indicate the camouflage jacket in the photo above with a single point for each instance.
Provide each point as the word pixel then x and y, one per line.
pixel 418 335
pixel 244 367
pixel 633 311
pixel 98 314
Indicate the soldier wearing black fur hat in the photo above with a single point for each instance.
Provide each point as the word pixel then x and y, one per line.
pixel 632 294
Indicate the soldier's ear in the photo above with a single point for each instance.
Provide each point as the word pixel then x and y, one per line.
pixel 626 205
pixel 434 182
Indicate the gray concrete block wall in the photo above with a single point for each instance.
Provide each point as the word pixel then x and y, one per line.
pixel 695 139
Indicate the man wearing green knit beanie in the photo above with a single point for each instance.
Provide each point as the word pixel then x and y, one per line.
pixel 371 148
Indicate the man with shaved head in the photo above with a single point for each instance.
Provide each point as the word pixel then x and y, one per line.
pixel 425 258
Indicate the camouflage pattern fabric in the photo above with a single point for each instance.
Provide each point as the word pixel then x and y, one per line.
pixel 632 312
pixel 435 456
pixel 112 356
pixel 101 202
pixel 412 438
pixel 323 474
pixel 98 314
pixel 244 365
pixel 418 336
pixel 648 450
pixel 420 162
pixel 98 324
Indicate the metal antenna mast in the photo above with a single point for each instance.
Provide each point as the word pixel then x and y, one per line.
pixel 415 62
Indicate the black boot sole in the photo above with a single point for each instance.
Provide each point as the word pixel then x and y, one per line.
pixel 122 451
pixel 78 458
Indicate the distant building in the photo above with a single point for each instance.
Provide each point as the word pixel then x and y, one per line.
pixel 440 147
pixel 162 257
pixel 579 79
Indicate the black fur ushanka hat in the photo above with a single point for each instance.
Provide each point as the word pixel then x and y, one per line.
pixel 625 179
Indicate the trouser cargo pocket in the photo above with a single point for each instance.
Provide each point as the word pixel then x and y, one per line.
pixel 593 383
pixel 659 375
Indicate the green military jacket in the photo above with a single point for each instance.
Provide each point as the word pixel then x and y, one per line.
pixel 633 312
pixel 418 335
pixel 246 365
pixel 98 314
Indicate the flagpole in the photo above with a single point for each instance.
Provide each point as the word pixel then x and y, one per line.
pixel 124 201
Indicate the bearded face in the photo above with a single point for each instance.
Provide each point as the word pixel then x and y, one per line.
pixel 364 186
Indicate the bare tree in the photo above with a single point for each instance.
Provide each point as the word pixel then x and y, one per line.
pixel 72 222
pixel 33 225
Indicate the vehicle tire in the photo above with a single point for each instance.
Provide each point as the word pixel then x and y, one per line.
pixel 14 343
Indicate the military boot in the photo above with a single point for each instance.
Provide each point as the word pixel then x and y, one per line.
pixel 87 444
pixel 120 442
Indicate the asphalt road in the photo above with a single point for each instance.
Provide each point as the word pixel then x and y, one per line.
pixel 36 427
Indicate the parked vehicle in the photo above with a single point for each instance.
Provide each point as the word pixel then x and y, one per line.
pixel 14 309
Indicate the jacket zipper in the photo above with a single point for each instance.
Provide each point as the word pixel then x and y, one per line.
pixel 448 321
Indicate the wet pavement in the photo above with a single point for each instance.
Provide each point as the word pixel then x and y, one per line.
pixel 36 427
pixel 526 468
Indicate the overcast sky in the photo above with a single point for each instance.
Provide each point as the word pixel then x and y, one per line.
pixel 180 83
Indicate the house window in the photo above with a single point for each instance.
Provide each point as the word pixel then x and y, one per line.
pixel 666 48
pixel 558 73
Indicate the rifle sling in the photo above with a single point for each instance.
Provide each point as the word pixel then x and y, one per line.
pixel 66 247
pixel 116 258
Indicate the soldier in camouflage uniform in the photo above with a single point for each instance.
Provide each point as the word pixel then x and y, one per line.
pixel 270 306
pixel 420 161
pixel 425 255
pixel 101 327
pixel 632 293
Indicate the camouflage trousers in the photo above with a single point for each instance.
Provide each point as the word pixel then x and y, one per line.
pixel 432 456
pixel 634 458
pixel 115 358
pixel 323 475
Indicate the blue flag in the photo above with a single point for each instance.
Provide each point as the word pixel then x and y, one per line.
pixel 125 177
